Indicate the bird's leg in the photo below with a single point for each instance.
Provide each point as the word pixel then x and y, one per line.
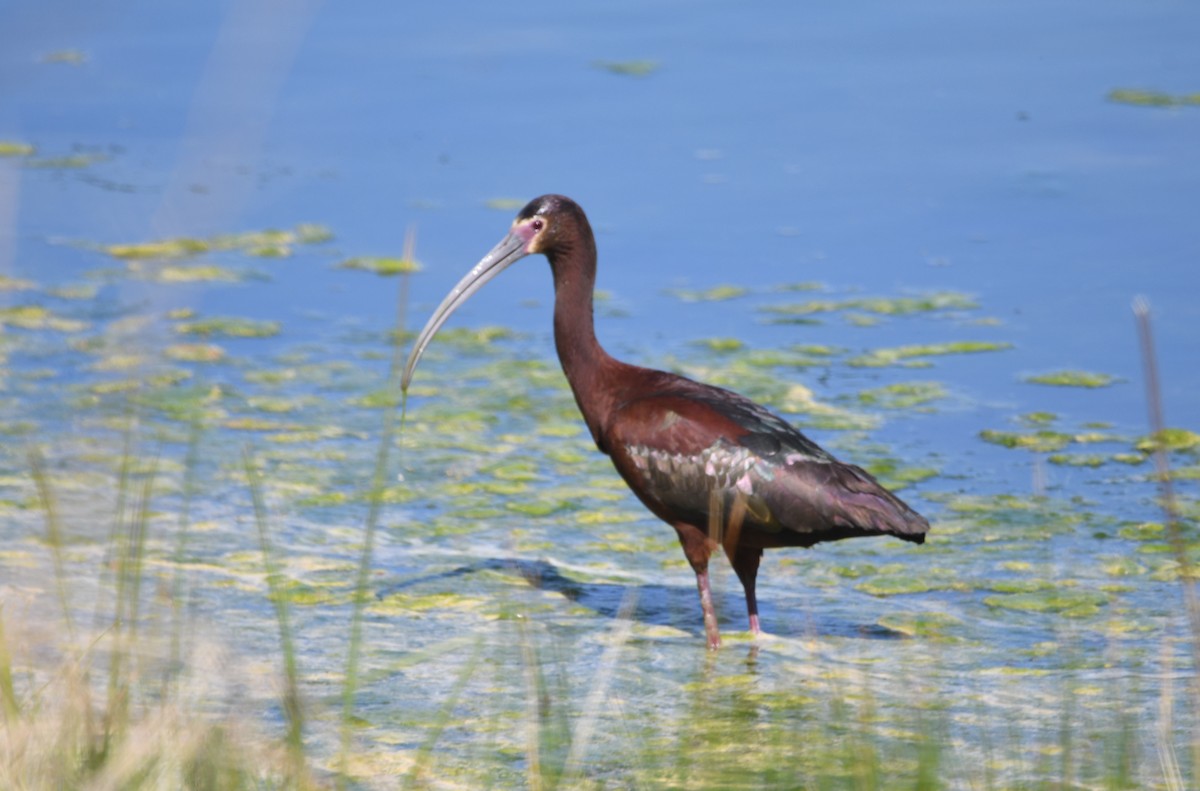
pixel 745 562
pixel 697 548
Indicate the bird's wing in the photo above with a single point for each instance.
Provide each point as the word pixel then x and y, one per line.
pixel 682 444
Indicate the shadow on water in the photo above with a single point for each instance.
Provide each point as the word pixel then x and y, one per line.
pixel 658 605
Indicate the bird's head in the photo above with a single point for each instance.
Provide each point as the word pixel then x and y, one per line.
pixel 550 225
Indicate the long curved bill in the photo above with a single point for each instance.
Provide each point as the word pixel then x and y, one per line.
pixel 503 255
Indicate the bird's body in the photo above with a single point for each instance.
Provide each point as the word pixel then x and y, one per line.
pixel 719 468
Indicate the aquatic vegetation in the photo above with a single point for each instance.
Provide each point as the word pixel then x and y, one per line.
pixel 13 148
pixel 1052 598
pixel 1173 439
pixel 67 162
pixel 1072 379
pixel 14 283
pixel 228 326
pixel 1144 98
pixel 628 68
pixel 721 344
pixel 911 355
pixel 883 306
pixel 186 274
pixel 902 395
pixel 382 266
pixel 714 294
pixel 270 243
pixel 194 352
pixel 37 317
pixel 70 57
pixel 505 204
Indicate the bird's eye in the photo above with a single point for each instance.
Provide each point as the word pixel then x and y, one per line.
pixel 537 225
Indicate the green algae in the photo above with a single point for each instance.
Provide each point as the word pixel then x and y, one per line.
pixel 81 292
pixel 882 306
pixel 268 243
pixel 68 57
pixel 897 584
pixel 1145 98
pixel 909 355
pixel 628 68
pixel 714 294
pixel 902 395
pixel 231 327
pixel 1037 418
pixel 928 625
pixel 194 352
pixel 15 284
pixel 1079 459
pixel 167 248
pixel 14 148
pixel 382 266
pixel 1171 439
pixel 1055 599
pixel 505 204
pixel 1042 441
pixel 1072 378
pixel 66 162
pixel 37 317
pixel 201 273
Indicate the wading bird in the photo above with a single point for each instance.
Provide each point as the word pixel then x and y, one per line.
pixel 719 468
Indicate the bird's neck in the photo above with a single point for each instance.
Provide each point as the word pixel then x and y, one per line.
pixel 590 370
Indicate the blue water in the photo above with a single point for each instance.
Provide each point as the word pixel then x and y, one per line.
pixel 880 149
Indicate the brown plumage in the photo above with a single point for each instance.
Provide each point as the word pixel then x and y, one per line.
pixel 719 468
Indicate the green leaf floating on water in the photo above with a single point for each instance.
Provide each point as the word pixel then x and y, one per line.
pixel 1071 378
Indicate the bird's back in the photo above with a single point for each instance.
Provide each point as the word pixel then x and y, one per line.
pixel 685 447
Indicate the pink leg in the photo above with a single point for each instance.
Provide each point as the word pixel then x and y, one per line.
pixel 710 615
